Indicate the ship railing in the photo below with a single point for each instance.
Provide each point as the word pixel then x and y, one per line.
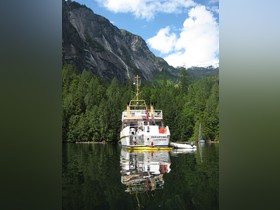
pixel 158 113
pixel 141 114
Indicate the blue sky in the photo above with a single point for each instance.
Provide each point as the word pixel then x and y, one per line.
pixel 183 32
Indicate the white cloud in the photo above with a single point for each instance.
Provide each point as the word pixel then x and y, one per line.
pixel 164 41
pixel 146 9
pixel 214 9
pixel 197 43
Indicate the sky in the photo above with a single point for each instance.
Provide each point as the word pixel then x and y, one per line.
pixel 182 32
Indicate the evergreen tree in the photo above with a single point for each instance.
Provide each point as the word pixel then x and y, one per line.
pixel 183 81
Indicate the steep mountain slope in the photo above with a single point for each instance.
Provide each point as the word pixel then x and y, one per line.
pixel 199 72
pixel 91 42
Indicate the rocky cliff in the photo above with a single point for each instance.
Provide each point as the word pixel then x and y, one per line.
pixel 91 42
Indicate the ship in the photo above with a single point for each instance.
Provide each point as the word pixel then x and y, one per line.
pixel 142 125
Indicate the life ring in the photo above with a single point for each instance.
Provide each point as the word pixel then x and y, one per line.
pixel 163 169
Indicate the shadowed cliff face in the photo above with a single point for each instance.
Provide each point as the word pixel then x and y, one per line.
pixel 91 42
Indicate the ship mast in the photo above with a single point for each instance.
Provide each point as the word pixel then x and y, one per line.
pixel 137 103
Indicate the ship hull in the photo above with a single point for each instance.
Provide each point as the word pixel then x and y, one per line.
pixel 154 141
pixel 150 136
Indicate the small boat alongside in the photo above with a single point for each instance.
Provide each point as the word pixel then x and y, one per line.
pixel 183 146
pixel 143 127
pixel 201 141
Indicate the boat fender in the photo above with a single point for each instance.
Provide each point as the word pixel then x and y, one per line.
pixel 152 144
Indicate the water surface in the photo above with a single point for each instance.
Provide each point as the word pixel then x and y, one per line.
pixel 105 176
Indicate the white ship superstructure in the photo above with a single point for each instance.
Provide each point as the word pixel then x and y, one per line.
pixel 143 125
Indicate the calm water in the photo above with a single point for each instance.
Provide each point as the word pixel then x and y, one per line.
pixel 97 176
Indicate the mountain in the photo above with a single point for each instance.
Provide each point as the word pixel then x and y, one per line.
pixel 199 72
pixel 91 42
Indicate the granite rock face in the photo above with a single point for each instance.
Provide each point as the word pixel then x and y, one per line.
pixel 91 42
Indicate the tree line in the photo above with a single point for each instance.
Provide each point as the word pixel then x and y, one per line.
pixel 92 107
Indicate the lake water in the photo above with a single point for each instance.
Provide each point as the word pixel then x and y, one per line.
pixel 105 176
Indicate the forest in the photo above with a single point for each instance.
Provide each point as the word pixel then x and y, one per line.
pixel 92 107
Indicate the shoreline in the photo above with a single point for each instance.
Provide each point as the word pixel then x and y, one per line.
pixel 90 142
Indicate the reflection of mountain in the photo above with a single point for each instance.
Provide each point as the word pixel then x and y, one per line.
pixel 143 171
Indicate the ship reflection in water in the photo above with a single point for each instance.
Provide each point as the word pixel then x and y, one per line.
pixel 143 171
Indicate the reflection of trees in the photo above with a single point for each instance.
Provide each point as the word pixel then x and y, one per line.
pixel 90 178
pixel 199 188
pixel 191 185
